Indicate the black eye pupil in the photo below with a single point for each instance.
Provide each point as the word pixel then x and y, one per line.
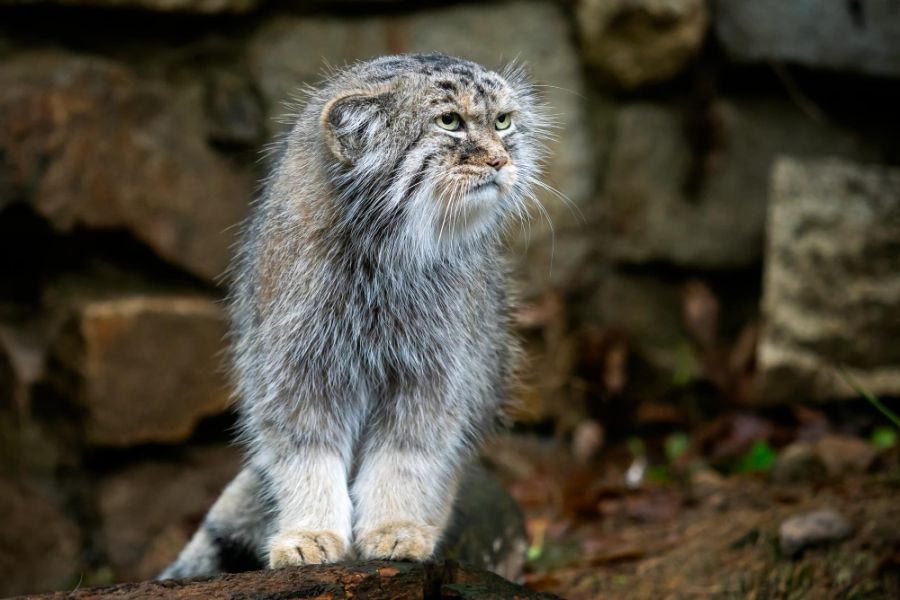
pixel 447 119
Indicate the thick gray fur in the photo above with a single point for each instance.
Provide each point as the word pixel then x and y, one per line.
pixel 372 347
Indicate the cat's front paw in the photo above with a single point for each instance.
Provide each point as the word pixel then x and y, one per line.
pixel 400 540
pixel 295 548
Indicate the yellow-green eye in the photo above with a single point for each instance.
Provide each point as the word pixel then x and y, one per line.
pixel 449 121
pixel 503 121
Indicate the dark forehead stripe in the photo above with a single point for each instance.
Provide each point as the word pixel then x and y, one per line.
pixel 462 71
pixel 441 63
pixel 450 76
pixel 381 78
pixel 492 81
pixel 393 62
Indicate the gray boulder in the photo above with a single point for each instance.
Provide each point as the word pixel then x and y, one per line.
pixel 166 6
pixel 638 42
pixel 39 545
pixel 861 37
pixel 817 528
pixel 142 368
pixel 89 143
pixel 832 281
pixel 653 212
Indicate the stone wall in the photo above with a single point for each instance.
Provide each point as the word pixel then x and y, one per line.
pixel 130 132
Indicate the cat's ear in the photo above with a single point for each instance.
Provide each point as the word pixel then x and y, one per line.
pixel 352 122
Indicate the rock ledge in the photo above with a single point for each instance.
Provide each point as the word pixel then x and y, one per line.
pixel 372 580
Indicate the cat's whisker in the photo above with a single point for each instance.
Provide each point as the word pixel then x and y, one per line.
pixel 455 202
pixel 573 208
pixel 546 215
pixel 442 201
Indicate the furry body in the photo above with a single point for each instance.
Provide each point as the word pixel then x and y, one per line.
pixel 371 334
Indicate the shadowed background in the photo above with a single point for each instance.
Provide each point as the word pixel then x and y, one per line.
pixel 730 234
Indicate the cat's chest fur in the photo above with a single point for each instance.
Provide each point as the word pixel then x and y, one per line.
pixel 386 324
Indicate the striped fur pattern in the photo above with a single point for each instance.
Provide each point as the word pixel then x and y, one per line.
pixel 371 336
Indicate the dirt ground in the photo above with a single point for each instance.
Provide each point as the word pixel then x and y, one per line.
pixel 694 532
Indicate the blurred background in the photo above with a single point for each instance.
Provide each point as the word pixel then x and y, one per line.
pixel 712 325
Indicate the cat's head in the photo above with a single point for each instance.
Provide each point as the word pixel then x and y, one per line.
pixel 434 149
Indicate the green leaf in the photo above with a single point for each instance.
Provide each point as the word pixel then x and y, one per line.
pixel 884 437
pixel 676 445
pixel 658 474
pixel 555 554
pixel 636 446
pixel 686 367
pixel 760 457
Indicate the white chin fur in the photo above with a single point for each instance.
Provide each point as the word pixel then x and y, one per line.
pixel 489 195
pixel 477 209
pixel 475 213
pixel 479 199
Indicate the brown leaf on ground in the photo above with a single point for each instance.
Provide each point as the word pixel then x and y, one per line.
pixel 537 314
pixel 659 413
pixel 700 312
pixel 603 361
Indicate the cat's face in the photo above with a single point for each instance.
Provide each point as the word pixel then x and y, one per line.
pixel 441 147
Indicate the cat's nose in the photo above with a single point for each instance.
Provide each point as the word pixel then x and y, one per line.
pixel 498 161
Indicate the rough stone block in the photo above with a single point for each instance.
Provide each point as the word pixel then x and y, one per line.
pixel 861 36
pixel 652 214
pixel 39 545
pixel 638 42
pixel 373 580
pixel 87 143
pixel 174 6
pixel 832 281
pixel 142 537
pixel 143 368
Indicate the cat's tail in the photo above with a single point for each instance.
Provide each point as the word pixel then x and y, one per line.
pixel 233 536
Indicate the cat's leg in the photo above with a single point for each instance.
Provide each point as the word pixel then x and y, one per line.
pixel 306 457
pixel 406 483
pixel 314 509
pixel 233 536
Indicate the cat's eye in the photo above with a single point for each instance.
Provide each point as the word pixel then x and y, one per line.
pixel 449 121
pixel 503 121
